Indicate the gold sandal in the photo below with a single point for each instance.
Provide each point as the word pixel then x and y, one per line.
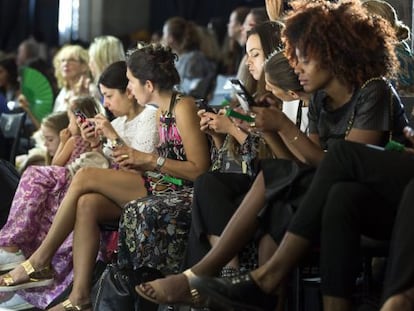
pixel 196 300
pixel 37 278
pixel 68 306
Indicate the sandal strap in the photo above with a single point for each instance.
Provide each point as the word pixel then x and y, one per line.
pixel 7 279
pixel 68 306
pixel 195 295
pixel 27 266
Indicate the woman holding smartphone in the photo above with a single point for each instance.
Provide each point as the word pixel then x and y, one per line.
pixel 351 96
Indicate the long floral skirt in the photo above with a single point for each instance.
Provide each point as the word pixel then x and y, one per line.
pixel 153 231
pixel 37 198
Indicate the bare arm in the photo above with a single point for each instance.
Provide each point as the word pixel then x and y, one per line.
pixel 62 156
pixel 194 141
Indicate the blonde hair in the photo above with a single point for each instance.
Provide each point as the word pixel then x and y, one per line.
pixel 105 50
pixel 75 51
pixel 386 11
pixel 274 9
pixel 56 122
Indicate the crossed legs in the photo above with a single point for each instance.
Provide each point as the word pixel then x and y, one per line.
pixel 92 198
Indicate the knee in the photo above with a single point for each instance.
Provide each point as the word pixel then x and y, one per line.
pixel 340 205
pixel 84 176
pixel 87 208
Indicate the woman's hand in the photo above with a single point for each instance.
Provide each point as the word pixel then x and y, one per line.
pixel 103 127
pixel 64 135
pixel 268 119
pixel 87 129
pixel 82 86
pixel 219 122
pixel 23 102
pixel 409 134
pixel 129 158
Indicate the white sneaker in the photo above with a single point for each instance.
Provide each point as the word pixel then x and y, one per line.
pixel 15 302
pixel 10 260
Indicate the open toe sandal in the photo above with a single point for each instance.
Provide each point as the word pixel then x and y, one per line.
pixel 196 300
pixel 37 278
pixel 68 306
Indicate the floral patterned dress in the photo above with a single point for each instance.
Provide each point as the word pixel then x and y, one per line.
pixel 153 230
pixel 37 198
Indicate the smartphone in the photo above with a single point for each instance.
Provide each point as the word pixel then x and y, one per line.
pixel 83 117
pixel 246 100
pixel 202 104
pixel 235 114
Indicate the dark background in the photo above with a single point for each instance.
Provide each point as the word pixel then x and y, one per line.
pixel 20 19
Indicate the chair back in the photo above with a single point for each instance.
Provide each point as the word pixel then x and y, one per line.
pixel 11 126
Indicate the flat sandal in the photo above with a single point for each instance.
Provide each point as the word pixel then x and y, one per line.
pixel 37 278
pixel 68 306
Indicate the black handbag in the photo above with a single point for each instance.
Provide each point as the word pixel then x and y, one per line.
pixel 114 290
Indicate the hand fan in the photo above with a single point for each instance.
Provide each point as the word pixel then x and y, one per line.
pixel 38 91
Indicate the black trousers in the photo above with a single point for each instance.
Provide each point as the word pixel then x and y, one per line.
pixel 400 268
pixel 356 190
pixel 216 197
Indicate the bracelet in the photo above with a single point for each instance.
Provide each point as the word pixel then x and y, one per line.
pixel 96 146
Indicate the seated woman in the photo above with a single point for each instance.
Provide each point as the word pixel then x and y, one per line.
pixel 42 189
pixel 405 76
pixel 348 102
pixel 182 155
pixel 235 154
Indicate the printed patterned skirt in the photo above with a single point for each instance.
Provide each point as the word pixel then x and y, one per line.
pixel 153 231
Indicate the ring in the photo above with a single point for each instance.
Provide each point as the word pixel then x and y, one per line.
pixel 124 156
pixel 252 124
pixel 253 115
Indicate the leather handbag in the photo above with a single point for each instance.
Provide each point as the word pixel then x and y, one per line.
pixel 115 290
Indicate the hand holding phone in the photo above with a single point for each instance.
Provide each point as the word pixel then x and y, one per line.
pixel 240 116
pixel 83 117
pixel 202 104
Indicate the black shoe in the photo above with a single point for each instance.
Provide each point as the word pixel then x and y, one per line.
pixel 239 293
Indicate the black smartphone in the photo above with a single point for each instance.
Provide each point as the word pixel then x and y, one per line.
pixel 83 117
pixel 246 100
pixel 202 104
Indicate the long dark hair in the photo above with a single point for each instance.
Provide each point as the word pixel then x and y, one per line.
pixel 154 63
pixel 114 76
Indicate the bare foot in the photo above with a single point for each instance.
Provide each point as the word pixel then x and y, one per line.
pixel 173 289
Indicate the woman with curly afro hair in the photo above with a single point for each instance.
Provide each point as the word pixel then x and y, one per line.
pixel 344 58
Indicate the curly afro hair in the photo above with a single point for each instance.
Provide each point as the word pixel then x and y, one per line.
pixel 352 44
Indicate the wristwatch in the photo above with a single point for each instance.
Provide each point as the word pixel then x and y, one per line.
pixel 160 163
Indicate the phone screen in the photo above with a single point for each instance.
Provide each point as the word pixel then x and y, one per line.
pixel 246 100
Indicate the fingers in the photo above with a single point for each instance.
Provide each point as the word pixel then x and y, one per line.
pixel 409 134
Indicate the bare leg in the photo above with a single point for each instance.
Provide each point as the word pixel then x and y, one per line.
pixel 276 269
pixel 400 302
pixel 118 186
pixel 331 303
pixel 93 209
pixel 239 230
pixel 234 262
